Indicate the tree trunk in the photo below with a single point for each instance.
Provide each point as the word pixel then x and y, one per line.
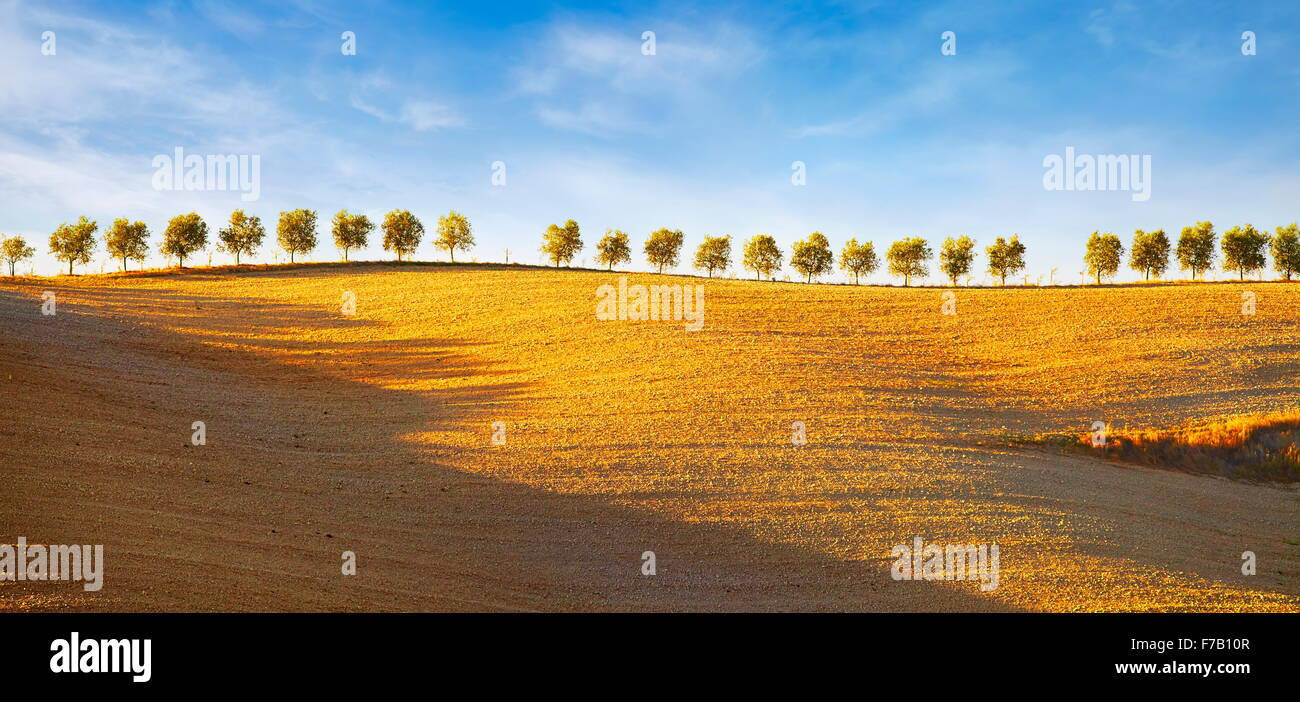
pixel 69 266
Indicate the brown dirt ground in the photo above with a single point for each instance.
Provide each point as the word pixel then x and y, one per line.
pixel 372 434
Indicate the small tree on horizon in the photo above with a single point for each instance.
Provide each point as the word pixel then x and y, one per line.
pixel 1006 257
pixel 15 249
pixel 908 258
pixel 956 257
pixel 185 234
pixel 1243 250
pixel 663 248
pixel 762 256
pixel 1285 247
pixel 74 243
pixel 454 232
pixel 613 249
pixel 1103 255
pixel 561 244
pixel 296 232
pixel 812 256
pixel 1150 253
pixel 714 254
pixel 244 234
pixel 859 259
pixel 127 240
pixel 1196 248
pixel 351 231
pixel 402 232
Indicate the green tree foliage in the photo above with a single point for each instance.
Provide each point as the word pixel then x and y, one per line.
pixel 714 254
pixel 859 259
pixel 402 232
pixel 613 249
pixel 561 244
pixel 1006 257
pixel 1243 250
pixel 908 258
pixel 663 248
pixel 351 231
pixel 185 234
pixel 14 249
pixel 243 236
pixel 956 257
pixel 762 255
pixel 296 232
pixel 74 243
pixel 1285 247
pixel 1103 254
pixel 1150 254
pixel 127 240
pixel 812 256
pixel 1196 248
pixel 455 232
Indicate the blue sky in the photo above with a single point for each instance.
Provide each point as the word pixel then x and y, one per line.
pixel 898 139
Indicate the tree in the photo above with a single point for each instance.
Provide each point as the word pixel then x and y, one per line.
pixel 1196 248
pixel 1006 257
pixel 1285 248
pixel 812 256
pixel 15 249
pixel 1243 250
pixel 1150 253
pixel 956 257
pixel 455 232
pixel 351 231
pixel 127 240
pixel 74 243
pixel 762 255
pixel 613 249
pixel 243 236
pixel 561 244
pixel 908 257
pixel 714 254
pixel 859 259
pixel 402 232
pixel 296 232
pixel 663 248
pixel 185 234
pixel 1103 255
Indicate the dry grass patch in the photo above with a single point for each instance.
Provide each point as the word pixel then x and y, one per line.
pixel 1256 447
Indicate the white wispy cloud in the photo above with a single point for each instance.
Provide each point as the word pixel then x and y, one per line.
pixel 596 80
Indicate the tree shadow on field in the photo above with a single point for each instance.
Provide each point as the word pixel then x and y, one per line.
pixel 307 460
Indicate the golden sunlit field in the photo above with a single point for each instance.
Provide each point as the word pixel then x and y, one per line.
pixel 372 433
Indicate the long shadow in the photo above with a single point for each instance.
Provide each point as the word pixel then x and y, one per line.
pixel 304 461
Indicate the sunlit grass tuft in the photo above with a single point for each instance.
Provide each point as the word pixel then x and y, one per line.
pixel 1257 447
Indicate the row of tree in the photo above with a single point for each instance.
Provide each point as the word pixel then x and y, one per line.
pixel 810 257
pixel 1244 248
pixel 296 234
